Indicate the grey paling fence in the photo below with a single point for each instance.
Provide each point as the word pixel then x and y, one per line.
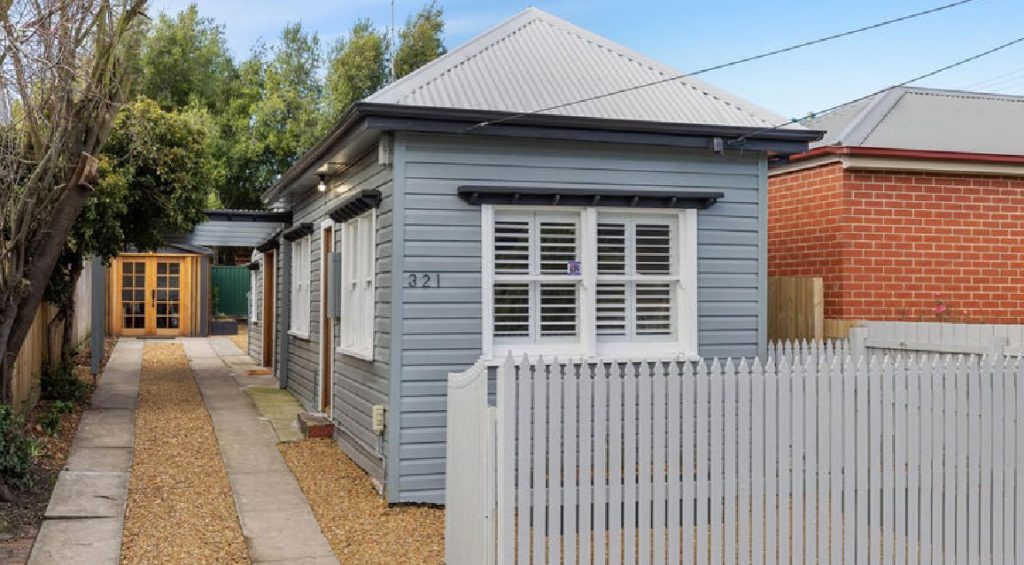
pixel 808 458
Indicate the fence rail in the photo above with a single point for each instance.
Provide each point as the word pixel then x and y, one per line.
pixel 807 459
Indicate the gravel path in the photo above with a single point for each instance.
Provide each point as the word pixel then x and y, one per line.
pixel 180 507
pixel 361 528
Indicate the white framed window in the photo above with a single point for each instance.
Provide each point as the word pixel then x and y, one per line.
pixel 300 299
pixel 358 266
pixel 589 282
pixel 254 313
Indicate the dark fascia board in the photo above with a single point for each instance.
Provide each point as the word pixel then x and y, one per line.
pixel 283 217
pixel 273 242
pixel 473 117
pixel 355 204
pixel 363 116
pixel 301 230
pixel 617 197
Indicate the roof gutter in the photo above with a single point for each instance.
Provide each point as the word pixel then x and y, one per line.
pixel 832 150
pixel 400 117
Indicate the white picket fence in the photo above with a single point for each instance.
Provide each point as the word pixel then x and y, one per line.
pixel 809 459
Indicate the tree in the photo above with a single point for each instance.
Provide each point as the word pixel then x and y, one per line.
pixel 153 180
pixel 65 70
pixel 420 41
pixel 276 116
pixel 358 67
pixel 185 60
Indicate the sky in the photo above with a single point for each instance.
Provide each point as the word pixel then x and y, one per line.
pixel 692 34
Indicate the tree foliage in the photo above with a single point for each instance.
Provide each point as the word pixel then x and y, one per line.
pixel 420 40
pixel 185 61
pixel 65 67
pixel 358 67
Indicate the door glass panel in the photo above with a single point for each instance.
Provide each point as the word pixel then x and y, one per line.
pixel 133 294
pixel 168 297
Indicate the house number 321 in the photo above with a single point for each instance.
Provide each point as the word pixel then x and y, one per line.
pixel 423 280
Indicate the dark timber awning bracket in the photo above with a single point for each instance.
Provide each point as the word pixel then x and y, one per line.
pixel 355 204
pixel 611 197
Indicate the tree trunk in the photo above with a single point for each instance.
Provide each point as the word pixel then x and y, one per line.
pixel 44 250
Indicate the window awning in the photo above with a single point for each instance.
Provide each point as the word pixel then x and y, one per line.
pixel 298 231
pixel 272 243
pixel 355 204
pixel 617 197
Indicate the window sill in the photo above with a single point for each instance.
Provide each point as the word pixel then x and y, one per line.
pixel 573 358
pixel 365 355
pixel 298 334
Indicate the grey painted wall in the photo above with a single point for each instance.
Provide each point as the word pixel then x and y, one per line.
pixel 357 384
pixel 441 328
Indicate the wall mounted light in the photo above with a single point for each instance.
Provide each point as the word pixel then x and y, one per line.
pixel 322 187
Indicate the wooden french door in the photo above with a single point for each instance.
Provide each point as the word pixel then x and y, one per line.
pixel 155 295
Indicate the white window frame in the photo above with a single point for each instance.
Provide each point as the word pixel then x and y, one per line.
pixel 254 313
pixel 358 286
pixel 301 298
pixel 683 345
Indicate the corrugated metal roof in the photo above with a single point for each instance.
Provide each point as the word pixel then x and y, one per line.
pixel 929 119
pixel 536 60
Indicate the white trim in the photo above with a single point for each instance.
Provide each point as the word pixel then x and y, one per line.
pixel 299 334
pixel 357 353
pixel 487 278
pixel 688 304
pixel 326 223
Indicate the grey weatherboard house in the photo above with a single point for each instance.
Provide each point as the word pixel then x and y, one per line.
pixel 436 224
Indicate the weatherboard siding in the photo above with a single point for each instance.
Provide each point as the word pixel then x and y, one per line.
pixel 441 328
pixel 357 384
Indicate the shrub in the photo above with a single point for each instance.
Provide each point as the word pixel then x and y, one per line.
pixel 17 450
pixel 51 422
pixel 60 383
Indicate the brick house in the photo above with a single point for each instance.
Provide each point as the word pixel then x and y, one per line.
pixel 910 208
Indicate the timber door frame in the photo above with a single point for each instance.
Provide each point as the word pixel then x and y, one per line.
pixel 150 277
pixel 326 401
pixel 269 264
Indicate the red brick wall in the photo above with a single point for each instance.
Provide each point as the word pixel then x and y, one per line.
pixel 804 209
pixel 902 242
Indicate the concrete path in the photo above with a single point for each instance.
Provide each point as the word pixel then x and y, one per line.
pixel 277 522
pixel 84 519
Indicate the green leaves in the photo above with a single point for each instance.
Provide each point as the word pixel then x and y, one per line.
pixel 358 67
pixel 420 40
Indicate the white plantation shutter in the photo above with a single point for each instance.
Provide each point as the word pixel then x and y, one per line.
pixel 636 276
pixel 535 296
pixel 591 281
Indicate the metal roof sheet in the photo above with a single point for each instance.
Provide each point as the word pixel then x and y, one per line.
pixel 930 120
pixel 535 60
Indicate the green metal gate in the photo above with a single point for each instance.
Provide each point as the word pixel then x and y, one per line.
pixel 231 290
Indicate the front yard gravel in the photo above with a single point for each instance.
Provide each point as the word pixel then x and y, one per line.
pixel 360 527
pixel 180 507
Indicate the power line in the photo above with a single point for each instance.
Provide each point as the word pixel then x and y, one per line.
pixel 740 140
pixel 725 65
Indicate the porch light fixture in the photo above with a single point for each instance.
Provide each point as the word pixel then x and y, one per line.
pixel 322 187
